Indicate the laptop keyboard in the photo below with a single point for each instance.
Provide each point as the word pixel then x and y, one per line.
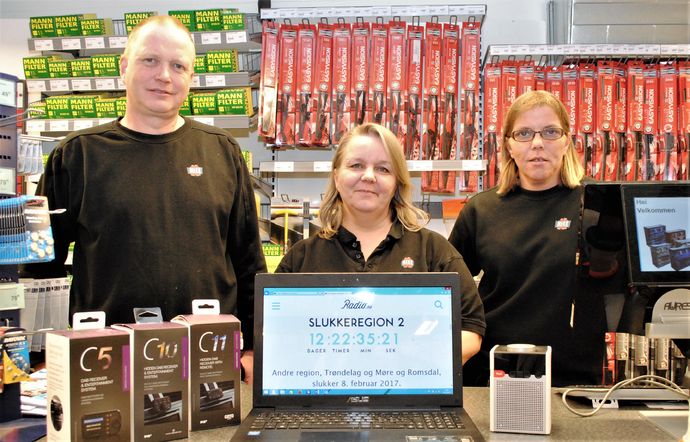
pixel 282 420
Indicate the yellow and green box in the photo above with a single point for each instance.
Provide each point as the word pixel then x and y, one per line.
pixel 271 249
pixel 58 106
pixel 200 64
pixel 248 158
pixel 233 21
pixel 42 27
pixel 204 103
pixel 208 19
pixel 96 26
pixel 186 108
pixel 59 68
pixel 186 17
pixel 105 107
pixel 39 106
pixel 120 106
pixel 222 60
pixel 70 25
pixel 134 18
pixel 36 67
pixel 81 67
pixel 83 106
pixel 106 65
pixel 235 101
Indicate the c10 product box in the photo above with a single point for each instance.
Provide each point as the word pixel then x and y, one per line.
pixel 233 21
pixel 70 25
pixel 186 108
pixel 88 385
pixel 215 374
pixel 158 372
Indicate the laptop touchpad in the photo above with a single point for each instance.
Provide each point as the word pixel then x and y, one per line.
pixel 335 436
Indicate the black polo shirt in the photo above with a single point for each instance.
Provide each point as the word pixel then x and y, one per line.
pixel 401 251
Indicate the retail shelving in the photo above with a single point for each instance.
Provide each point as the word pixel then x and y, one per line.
pixel 412 165
pixel 461 11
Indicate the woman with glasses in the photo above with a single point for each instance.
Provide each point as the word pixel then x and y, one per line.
pixel 523 236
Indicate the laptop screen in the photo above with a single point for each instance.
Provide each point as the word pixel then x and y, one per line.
pixel 357 335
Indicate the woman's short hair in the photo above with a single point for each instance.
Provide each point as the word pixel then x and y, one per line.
pixel 572 171
pixel 331 211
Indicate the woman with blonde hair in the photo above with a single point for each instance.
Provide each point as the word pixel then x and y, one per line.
pixel 369 224
pixel 523 236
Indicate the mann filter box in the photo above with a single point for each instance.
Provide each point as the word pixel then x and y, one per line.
pixel 221 61
pixel 36 67
pixel 70 25
pixel 58 106
pixel 120 106
pixel 134 18
pixel 236 101
pixel 214 370
pixel 105 108
pixel 208 19
pixel 83 106
pixel 88 385
pixel 106 65
pixel 81 67
pixel 59 68
pixel 233 21
pixel 158 370
pixel 204 103
pixel 186 108
pixel 186 18
pixel 42 27
pixel 96 26
pixel 200 64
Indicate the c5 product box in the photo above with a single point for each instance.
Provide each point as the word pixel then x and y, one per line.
pixel 186 18
pixel 134 18
pixel 236 101
pixel 158 372
pixel 96 26
pixel 81 67
pixel 106 65
pixel 214 375
pixel 42 27
pixel 88 385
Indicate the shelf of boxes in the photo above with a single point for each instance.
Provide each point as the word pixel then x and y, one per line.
pixel 412 165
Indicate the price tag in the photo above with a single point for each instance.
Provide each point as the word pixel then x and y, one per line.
pixel 81 84
pixel 35 126
pixel 283 166
pixel 71 43
pixel 43 45
pixel 438 10
pixel 420 165
pixel 322 166
pixel 205 120
pixel 210 38
pixel 58 126
pixel 384 11
pixel 83 123
pixel 215 80
pixel 94 42
pixel 196 81
pixel 105 84
pixel 236 37
pixel 120 83
pixel 36 86
pixel 117 42
pixel 59 85
pixel 473 165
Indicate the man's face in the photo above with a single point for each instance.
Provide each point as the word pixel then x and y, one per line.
pixel 157 72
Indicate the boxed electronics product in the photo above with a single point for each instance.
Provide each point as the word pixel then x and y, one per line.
pixel 88 389
pixel 186 18
pixel 159 368
pixel 106 65
pixel 81 67
pixel 214 366
pixel 235 101
pixel 134 18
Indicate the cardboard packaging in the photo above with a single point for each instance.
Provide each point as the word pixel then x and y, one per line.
pixel 42 27
pixel 36 67
pixel 187 17
pixel 88 384
pixel 96 26
pixel 81 67
pixel 158 373
pixel 214 372
pixel 59 68
pixel 134 18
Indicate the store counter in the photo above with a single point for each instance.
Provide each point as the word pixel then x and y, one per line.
pixel 607 425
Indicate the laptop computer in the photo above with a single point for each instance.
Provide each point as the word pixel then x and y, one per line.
pixel 357 357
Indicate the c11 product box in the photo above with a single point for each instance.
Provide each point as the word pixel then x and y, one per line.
pixel 159 373
pixel 88 385
pixel 134 18
pixel 186 18
pixel 106 65
pixel 200 64
pixel 186 108
pixel 215 374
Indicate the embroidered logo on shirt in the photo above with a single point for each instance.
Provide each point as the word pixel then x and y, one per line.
pixel 195 170
pixel 562 224
pixel 407 263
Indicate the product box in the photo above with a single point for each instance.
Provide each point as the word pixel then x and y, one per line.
pixel 105 107
pixel 40 106
pixel 236 101
pixel 106 65
pixel 186 17
pixel 83 106
pixel 158 370
pixel 233 21
pixel 59 68
pixel 208 19
pixel 81 67
pixel 42 27
pixel 204 103
pixel 69 25
pixel 15 356
pixel 36 67
pixel 96 26
pixel 214 369
pixel 120 106
pixel 88 384
pixel 200 64
pixel 134 18
pixel 58 106
pixel 221 61
pixel 186 108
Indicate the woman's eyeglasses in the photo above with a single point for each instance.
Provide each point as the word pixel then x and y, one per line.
pixel 548 133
